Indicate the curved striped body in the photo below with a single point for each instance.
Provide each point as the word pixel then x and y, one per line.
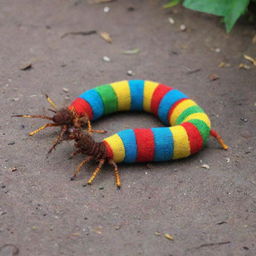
pixel 188 125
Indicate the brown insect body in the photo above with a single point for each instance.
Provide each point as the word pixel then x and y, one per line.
pixel 88 146
pixel 85 144
pixel 65 118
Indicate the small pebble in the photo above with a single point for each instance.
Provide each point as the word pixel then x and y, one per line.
pixel 67 97
pixel 106 9
pixel 217 50
pixel 130 73
pixel 213 77
pixel 106 59
pixel 227 159
pixel 206 166
pixel 11 143
pixel 2 213
pixel 15 99
pixel 65 89
pixel 13 169
pixel 183 27
pixel 171 20
pixel 244 119
pixel 118 227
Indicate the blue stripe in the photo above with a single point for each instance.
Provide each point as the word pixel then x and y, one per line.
pixel 129 140
pixel 167 102
pixel 137 92
pixel 95 101
pixel 163 139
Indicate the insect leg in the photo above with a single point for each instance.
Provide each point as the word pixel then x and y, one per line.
pixel 90 130
pixel 85 119
pixel 59 138
pixel 42 128
pixel 78 169
pixel 75 153
pixel 34 116
pixel 96 171
pixel 219 139
pixel 51 102
pixel 116 172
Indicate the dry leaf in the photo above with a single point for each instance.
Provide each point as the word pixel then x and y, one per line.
pixel 213 77
pixel 244 66
pixel 106 37
pixel 168 236
pixel 26 66
pixel 251 59
pixel 223 64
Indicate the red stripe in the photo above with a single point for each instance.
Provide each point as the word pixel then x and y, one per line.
pixel 194 137
pixel 145 145
pixel 173 107
pixel 82 107
pixel 109 150
pixel 158 94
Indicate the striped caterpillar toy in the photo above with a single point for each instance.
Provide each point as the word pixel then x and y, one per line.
pixel 187 125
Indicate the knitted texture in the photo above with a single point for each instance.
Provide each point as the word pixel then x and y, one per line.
pixel 188 126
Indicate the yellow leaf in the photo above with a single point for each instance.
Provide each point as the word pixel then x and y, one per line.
pixel 251 59
pixel 168 236
pixel 106 37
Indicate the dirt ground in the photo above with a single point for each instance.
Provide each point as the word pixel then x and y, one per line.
pixel 206 202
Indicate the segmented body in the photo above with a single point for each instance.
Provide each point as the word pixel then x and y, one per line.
pixel 187 131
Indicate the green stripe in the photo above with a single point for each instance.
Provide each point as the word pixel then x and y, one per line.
pixel 108 97
pixel 202 127
pixel 188 112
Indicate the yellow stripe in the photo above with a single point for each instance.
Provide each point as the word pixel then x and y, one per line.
pixel 200 116
pixel 149 88
pixel 117 147
pixel 123 94
pixel 181 147
pixel 179 109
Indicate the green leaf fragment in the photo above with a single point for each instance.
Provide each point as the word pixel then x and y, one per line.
pixel 171 3
pixel 231 10
pixel 132 51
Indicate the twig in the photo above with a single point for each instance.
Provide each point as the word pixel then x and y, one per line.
pixel 194 71
pixel 80 33
pixel 212 244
